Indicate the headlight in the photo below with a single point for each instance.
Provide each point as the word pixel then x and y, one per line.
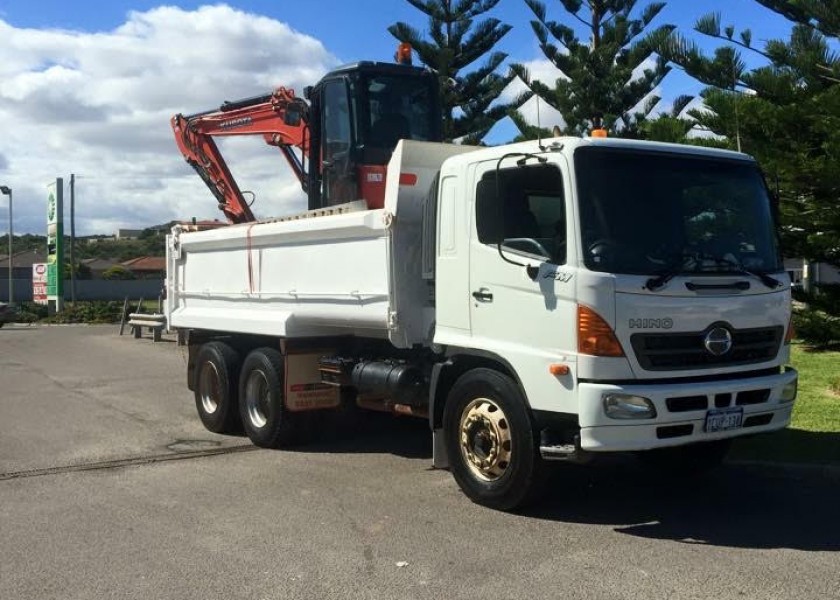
pixel 789 391
pixel 627 406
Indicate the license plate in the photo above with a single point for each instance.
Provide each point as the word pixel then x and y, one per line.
pixel 723 419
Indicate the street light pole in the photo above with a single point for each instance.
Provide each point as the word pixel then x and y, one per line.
pixel 7 191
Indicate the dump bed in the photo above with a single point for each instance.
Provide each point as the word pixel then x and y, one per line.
pixel 338 271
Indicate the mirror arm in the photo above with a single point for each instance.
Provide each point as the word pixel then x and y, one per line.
pixel 531 270
pixel 505 258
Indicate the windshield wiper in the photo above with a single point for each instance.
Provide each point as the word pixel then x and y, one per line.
pixel 655 283
pixel 739 269
pixel 676 265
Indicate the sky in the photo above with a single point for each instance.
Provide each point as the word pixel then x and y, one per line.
pixel 89 87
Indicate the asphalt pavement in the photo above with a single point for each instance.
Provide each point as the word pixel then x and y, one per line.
pixel 111 488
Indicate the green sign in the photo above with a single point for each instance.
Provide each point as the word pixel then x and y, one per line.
pixel 55 241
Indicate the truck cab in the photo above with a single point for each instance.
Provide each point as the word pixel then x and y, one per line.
pixel 634 291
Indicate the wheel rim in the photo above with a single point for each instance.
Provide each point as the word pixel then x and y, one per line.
pixel 210 387
pixel 257 398
pixel 485 439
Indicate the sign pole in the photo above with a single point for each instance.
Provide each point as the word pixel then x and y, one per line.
pixel 55 246
pixel 73 239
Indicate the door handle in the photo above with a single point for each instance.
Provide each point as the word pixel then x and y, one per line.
pixel 483 295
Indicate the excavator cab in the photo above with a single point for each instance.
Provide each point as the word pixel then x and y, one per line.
pixel 364 110
pixel 338 145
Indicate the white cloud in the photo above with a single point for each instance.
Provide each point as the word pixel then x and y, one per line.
pixel 656 92
pixel 648 64
pixel 98 105
pixel 698 105
pixel 544 70
pixel 695 104
pixel 533 110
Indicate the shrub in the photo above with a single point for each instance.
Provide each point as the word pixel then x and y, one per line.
pixel 89 312
pixel 29 312
pixel 828 298
pixel 117 272
pixel 800 295
pixel 816 327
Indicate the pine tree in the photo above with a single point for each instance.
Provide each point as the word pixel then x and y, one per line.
pixel 471 105
pixel 528 131
pixel 823 15
pixel 597 86
pixel 669 127
pixel 786 113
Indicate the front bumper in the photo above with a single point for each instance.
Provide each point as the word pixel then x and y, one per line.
pixel 675 426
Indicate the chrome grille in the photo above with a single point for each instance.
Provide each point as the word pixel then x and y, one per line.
pixel 683 351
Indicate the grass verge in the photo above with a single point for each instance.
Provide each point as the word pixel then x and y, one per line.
pixel 814 433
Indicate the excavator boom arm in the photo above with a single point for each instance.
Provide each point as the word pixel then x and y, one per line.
pixel 280 117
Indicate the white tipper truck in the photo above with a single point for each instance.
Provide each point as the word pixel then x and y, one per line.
pixel 538 301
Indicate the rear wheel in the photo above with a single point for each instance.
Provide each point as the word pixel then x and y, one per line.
pixel 216 376
pixel 492 447
pixel 685 461
pixel 266 420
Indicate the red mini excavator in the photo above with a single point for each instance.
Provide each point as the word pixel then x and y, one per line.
pixel 338 143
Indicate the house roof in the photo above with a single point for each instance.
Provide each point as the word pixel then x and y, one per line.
pixel 24 259
pixel 146 263
pixel 99 264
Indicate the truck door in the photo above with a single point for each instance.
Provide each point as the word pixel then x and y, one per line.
pixel 527 319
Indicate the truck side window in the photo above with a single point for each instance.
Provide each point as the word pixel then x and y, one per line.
pixel 550 214
pixel 526 210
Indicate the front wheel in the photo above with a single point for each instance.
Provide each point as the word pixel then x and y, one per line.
pixel 491 442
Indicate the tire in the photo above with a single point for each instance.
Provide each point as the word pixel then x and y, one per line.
pixel 265 418
pixel 216 387
pixel 492 445
pixel 686 461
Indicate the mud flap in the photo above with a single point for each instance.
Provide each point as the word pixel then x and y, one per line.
pixel 304 389
pixel 440 459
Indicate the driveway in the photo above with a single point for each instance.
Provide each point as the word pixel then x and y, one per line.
pixel 111 488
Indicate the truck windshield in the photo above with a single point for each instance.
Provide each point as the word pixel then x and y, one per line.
pixel 657 213
pixel 396 107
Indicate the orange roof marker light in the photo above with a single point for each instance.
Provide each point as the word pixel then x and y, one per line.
pixel 403 55
pixel 598 133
